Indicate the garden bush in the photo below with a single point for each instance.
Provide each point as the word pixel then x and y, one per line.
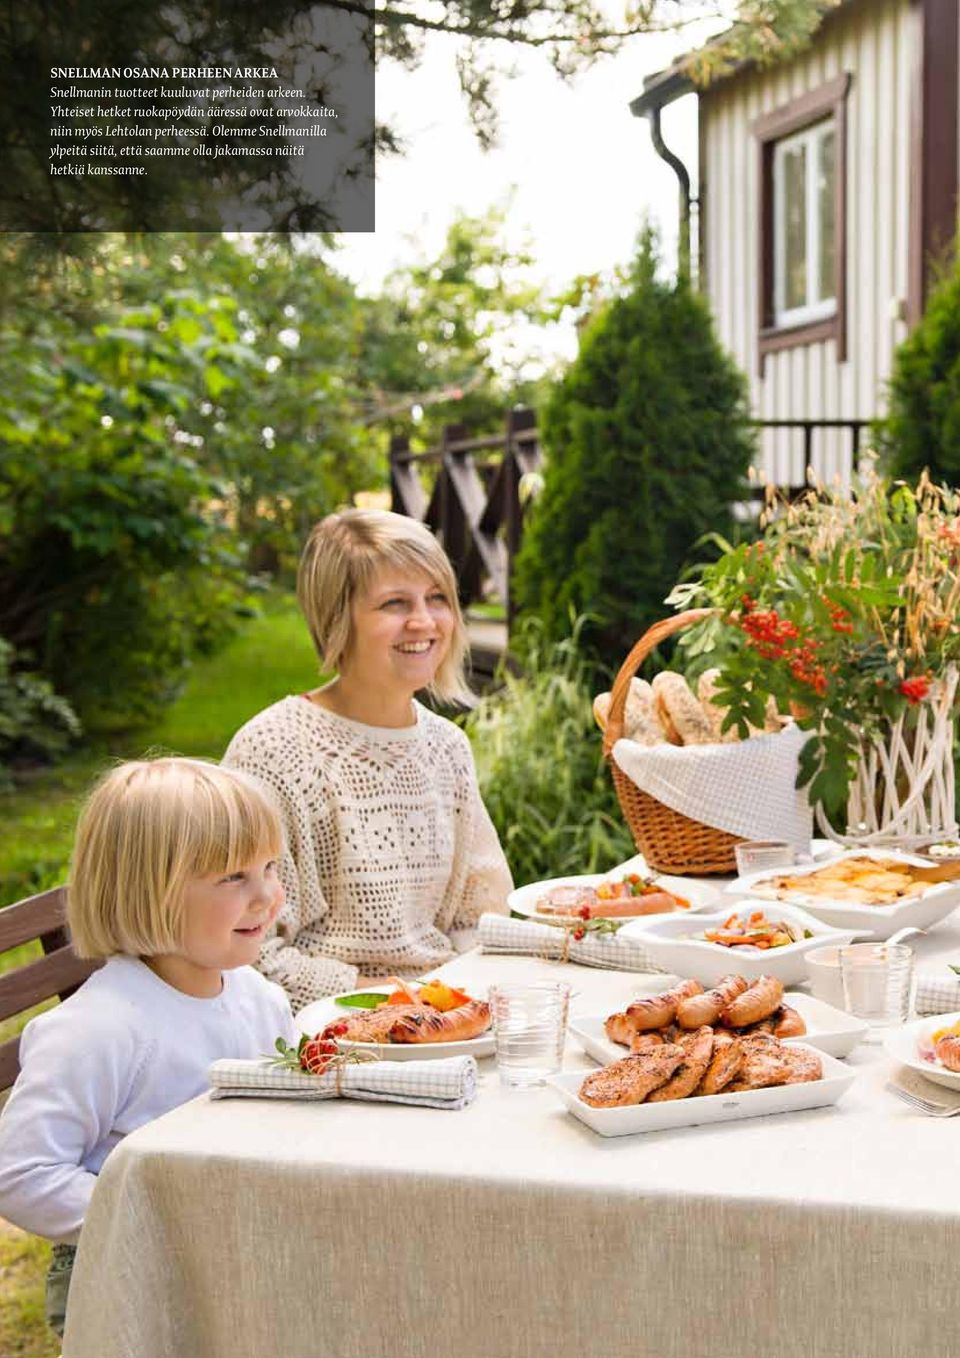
pixel 35 723
pixel 648 444
pixel 922 426
pixel 540 765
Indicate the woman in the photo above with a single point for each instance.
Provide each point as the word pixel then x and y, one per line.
pixel 391 856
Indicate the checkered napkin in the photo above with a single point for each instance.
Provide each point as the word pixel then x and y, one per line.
pixel 937 992
pixel 448 1082
pixel 500 934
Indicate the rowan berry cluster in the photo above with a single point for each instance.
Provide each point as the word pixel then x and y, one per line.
pixel 915 690
pixel 775 638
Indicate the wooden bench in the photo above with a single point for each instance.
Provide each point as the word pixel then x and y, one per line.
pixel 59 972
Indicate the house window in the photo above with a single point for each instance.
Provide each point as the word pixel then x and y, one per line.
pixel 802 258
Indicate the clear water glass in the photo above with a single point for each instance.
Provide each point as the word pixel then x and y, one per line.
pixel 529 1028
pixel 877 982
pixel 758 855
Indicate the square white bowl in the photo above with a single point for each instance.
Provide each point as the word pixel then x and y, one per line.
pixel 919 912
pixel 666 939
pixel 829 1030
pixel 655 1117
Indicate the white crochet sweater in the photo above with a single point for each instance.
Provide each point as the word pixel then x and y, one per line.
pixel 391 855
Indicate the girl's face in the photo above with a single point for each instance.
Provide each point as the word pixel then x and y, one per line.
pixel 402 631
pixel 225 919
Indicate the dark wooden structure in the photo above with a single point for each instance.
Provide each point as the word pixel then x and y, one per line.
pixel 58 973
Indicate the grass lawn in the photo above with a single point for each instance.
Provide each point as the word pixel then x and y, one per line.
pixel 272 656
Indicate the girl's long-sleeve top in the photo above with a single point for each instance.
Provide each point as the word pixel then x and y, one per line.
pixel 123 1050
pixel 391 855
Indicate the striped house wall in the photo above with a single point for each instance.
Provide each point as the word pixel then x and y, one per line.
pixel 877 44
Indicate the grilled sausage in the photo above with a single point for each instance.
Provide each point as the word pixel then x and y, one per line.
pixel 456 1025
pixel 656 1011
pixel 757 1002
pixel 696 1010
pixel 788 1023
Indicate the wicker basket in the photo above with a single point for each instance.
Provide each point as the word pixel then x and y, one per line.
pixel 669 841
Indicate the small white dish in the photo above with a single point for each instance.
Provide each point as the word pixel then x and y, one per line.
pixel 667 940
pixel 701 895
pixel 919 912
pixel 904 1045
pixel 829 1030
pixel 692 1112
pixel 313 1018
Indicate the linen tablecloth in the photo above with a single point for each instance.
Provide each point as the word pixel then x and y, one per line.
pixel 241 1229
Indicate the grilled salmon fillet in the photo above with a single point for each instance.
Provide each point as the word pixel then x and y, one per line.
pixel 631 1079
pixel 370 1025
pixel 697 1049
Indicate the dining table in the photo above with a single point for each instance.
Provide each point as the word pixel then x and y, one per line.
pixel 246 1228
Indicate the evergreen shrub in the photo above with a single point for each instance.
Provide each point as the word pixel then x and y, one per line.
pixel 648 444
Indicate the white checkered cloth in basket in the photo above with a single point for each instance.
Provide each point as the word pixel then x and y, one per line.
pixel 747 788
pixel 937 993
pixel 500 934
pixel 447 1082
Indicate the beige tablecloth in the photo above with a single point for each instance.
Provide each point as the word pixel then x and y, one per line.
pixel 241 1229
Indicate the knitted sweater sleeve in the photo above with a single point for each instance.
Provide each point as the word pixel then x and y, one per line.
pixel 487 881
pixel 286 956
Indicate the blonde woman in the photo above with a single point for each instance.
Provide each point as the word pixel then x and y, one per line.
pixel 174 882
pixel 391 856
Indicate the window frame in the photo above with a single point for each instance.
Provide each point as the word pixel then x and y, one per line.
pixel 783 125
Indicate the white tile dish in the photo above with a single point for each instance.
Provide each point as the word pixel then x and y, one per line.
pixel 903 1044
pixel 664 938
pixel 829 1030
pixel 701 895
pixel 919 912
pixel 313 1018
pixel 693 1112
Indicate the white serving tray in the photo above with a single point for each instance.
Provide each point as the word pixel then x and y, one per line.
pixel 919 912
pixel 658 1117
pixel 829 1030
pixel 663 938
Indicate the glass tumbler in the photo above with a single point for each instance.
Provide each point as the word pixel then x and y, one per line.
pixel 756 855
pixel 529 1028
pixel 877 982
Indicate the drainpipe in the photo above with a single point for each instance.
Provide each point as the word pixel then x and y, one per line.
pixel 680 170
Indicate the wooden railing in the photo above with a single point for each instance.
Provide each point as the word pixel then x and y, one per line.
pixel 797 482
pixel 474 506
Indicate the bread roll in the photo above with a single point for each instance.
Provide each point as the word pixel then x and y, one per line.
pixel 641 721
pixel 601 709
pixel 707 693
pixel 680 711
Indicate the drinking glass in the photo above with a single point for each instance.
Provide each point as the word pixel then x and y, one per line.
pixel 756 855
pixel 877 980
pixel 529 1027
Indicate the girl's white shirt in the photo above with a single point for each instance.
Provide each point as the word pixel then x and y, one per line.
pixel 125 1049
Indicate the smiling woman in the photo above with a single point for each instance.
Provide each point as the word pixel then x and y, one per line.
pixel 391 856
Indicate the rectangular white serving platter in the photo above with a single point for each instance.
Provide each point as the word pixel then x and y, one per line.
pixel 830 1030
pixel 658 1117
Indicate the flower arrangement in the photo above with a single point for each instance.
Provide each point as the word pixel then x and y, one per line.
pixel 846 612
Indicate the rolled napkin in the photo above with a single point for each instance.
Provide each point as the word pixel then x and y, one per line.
pixel 937 992
pixel 500 934
pixel 448 1082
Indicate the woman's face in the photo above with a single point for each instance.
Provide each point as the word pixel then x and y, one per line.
pixel 402 631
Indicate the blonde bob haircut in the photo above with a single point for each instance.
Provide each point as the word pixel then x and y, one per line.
pixel 344 553
pixel 146 828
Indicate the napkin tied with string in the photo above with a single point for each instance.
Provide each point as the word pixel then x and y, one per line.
pixel 500 934
pixel 447 1082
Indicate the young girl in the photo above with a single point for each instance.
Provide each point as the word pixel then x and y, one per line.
pixel 391 855
pixel 173 881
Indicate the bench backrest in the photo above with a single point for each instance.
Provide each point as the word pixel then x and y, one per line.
pixel 59 972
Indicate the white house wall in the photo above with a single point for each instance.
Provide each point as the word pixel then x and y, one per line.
pixel 875 42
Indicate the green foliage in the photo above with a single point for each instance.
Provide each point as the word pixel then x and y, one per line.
pixel 34 721
pixel 922 427
pixel 542 774
pixel 647 446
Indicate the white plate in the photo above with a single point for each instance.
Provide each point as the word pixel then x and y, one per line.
pixel 903 1045
pixel 701 895
pixel 315 1017
pixel 829 1030
pixel 656 1117
pixel 664 938
pixel 920 912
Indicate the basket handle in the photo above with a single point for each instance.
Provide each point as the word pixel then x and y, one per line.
pixel 651 638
